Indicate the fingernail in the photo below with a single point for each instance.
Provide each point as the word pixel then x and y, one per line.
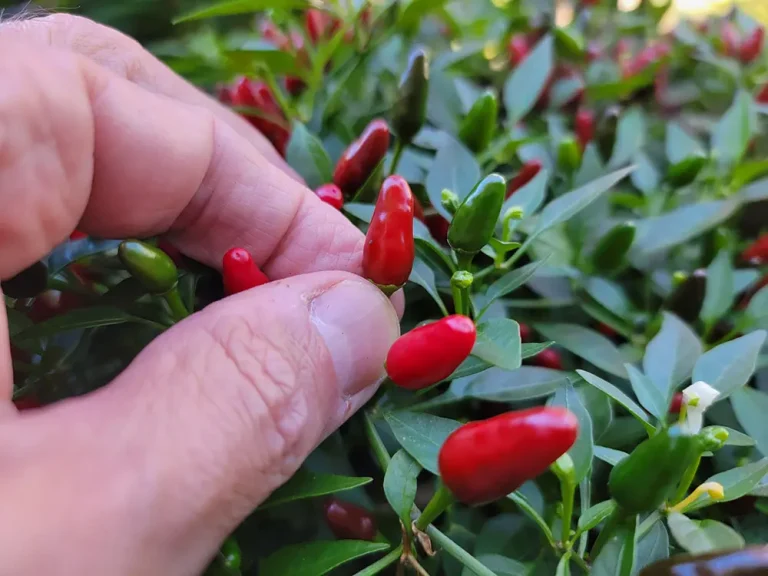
pixel 358 324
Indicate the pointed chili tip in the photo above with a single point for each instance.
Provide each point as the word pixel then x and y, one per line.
pixel 240 272
pixel 149 265
pixel 331 195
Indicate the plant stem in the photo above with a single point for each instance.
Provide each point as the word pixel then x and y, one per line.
pixel 399 149
pixel 528 510
pixel 687 480
pixel 382 563
pixel 567 490
pixel 173 298
pixel 436 506
pixel 460 300
pixel 613 522
pixel 377 445
pixel 458 552
pixel 580 561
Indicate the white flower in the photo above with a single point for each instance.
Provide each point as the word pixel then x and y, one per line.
pixel 696 399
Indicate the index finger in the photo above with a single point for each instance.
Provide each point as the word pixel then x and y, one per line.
pixel 116 160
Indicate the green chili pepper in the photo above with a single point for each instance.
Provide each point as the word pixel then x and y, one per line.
pixel 611 251
pixel 751 561
pixel 568 155
pixel 685 171
pixel 230 554
pixel 649 475
pixel 687 299
pixel 149 265
pixel 479 125
pixel 475 220
pixel 410 110
pixel 28 283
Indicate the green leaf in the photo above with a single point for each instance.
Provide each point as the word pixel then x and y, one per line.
pixel 510 282
pixel 619 396
pixel 757 309
pixel 581 451
pixel 733 131
pixel 647 393
pixel 609 295
pixel 609 455
pixel 617 558
pixel 680 145
pixel 525 383
pixel 454 169
pixel 425 277
pixel 652 547
pixel 305 484
pixel 526 83
pixel 306 155
pixel 260 53
pixel 564 566
pixel 646 177
pixel 736 438
pixel 679 226
pixel 596 514
pixel 317 558
pixel 700 537
pixel 630 136
pixel 568 205
pixel 729 366
pixel 735 482
pixel 234 7
pixel 751 407
pixel 587 344
pixel 79 319
pixel 719 292
pixel 400 484
pixel 531 196
pixel 421 435
pixel 671 355
pixel 498 343
pixel 499 565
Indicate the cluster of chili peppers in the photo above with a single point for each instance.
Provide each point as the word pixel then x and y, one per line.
pixel 745 49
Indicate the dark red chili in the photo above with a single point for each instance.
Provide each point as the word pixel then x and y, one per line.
pixel 486 460
pixel 430 353
pixel 348 521
pixel 316 23
pixel 361 157
pixel 762 95
pixel 331 194
pixel 270 32
pixel 389 249
pixel 77 235
pixel 438 227
pixel 757 252
pixel 752 46
pixel 584 126
pixel 518 49
pixel 549 358
pixel 525 332
pixel 256 94
pixel 527 173
pixel 294 85
pixel 676 404
pixel 240 272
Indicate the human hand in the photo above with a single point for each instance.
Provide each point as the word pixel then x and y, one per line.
pixel 148 475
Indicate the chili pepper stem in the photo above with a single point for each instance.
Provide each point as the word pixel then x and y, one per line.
pixel 175 303
pixel 567 490
pixel 450 547
pixel 580 562
pixel 613 522
pixel 377 445
pixel 687 480
pixel 461 300
pixel 382 563
pixel 399 149
pixel 436 506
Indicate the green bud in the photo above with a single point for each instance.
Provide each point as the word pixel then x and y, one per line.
pixel 149 265
pixel 462 279
pixel 678 277
pixel 713 438
pixel 449 200
pixel 564 469
pixel 568 155
pixel 514 213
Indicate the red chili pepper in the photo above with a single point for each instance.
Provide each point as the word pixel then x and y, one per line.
pixel 527 173
pixel 348 521
pixel 240 272
pixel 762 95
pixel 224 94
pixel 53 303
pixel 752 46
pixel 549 358
pixel 258 95
pixel 294 85
pixel 757 252
pixel 584 126
pixel 273 34
pixel 606 330
pixel 731 40
pixel 331 194
pixel 430 353
pixel 438 227
pixel 361 157
pixel 389 250
pixel 518 48
pixel 418 210
pixel 677 403
pixel 316 22
pixel 525 332
pixel 486 460
pixel 365 16
pixel 647 56
pixel 77 235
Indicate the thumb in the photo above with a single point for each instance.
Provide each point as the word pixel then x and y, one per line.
pixel 214 415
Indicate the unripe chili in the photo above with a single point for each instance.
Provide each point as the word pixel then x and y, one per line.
pixel 475 221
pixel 430 353
pixel 149 265
pixel 389 248
pixel 527 173
pixel 361 157
pixel 410 109
pixel 486 460
pixel 687 299
pixel 646 478
pixel 348 521
pixel 611 251
pixel 240 272
pixel 331 194
pixel 568 154
pixel 684 172
pixel 478 126
pixel 273 124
